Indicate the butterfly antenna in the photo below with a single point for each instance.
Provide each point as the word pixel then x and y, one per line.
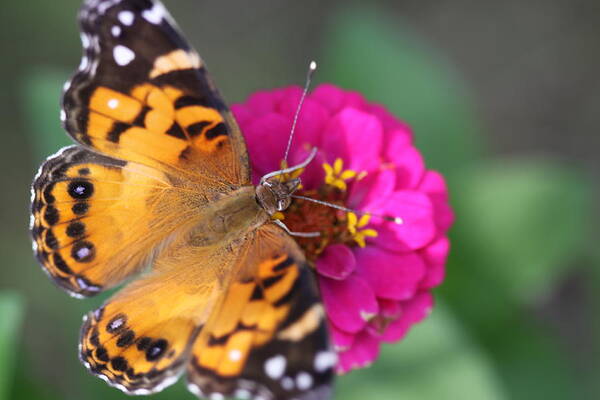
pixel 396 220
pixel 311 70
pixel 303 164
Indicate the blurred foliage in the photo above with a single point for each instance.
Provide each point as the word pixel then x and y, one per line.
pixel 41 98
pixel 437 360
pixel 11 313
pixel 522 223
pixel 370 53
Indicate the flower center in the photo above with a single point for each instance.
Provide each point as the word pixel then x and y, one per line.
pixel 335 226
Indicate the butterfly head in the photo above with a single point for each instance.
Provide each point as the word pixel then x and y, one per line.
pixel 275 195
pixel 275 190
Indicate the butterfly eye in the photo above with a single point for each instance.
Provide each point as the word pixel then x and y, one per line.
pixel 283 204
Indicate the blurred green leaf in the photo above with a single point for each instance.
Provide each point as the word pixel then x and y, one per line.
pixel 41 95
pixel 520 222
pixel 519 225
pixel 11 312
pixel 437 360
pixel 368 51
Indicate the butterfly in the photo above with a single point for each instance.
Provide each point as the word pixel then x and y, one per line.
pixel 158 189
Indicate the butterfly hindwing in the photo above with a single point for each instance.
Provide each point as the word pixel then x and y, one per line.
pixel 268 338
pixel 143 94
pixel 139 340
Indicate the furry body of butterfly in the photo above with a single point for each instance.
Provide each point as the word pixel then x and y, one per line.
pixel 160 177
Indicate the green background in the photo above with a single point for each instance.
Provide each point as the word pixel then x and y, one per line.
pixel 503 98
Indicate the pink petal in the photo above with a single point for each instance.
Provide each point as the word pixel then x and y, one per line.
pixel 242 115
pixel 392 126
pixel 313 174
pixel 289 100
pixel 310 126
pixel 435 256
pixel 355 137
pixel 341 340
pixel 396 142
pixel 266 138
pixel 433 183
pixel 410 168
pixel 444 216
pixel 375 186
pixel 414 311
pixel 336 262
pixel 389 308
pixel 329 96
pixel 355 100
pixel 349 303
pixel 392 276
pixel 262 102
pixel 417 228
pixel 362 353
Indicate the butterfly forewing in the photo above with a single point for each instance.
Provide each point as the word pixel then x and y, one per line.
pixel 95 219
pixel 143 94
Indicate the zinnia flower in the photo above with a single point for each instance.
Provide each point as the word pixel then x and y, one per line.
pixel 375 274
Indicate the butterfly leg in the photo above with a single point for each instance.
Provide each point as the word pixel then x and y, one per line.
pixel 299 234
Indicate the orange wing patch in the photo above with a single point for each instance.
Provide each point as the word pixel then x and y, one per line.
pixel 175 61
pixel 153 125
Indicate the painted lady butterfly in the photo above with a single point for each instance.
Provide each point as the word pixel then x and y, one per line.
pixel 159 176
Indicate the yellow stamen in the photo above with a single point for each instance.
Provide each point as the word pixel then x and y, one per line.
pixel 289 176
pixel 360 235
pixel 335 175
pixel 352 220
pixel 278 215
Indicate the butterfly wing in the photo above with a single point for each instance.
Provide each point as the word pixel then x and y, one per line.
pixel 139 340
pixel 267 338
pixel 142 94
pixel 97 220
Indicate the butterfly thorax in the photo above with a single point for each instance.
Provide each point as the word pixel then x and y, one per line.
pixel 235 214
pixel 230 217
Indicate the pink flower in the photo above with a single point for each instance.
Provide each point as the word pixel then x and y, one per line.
pixel 375 274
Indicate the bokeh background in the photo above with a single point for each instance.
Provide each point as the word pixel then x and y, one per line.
pixel 504 98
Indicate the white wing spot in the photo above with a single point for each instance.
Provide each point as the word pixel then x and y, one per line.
pixel 216 396
pixel 123 55
pixel 287 383
pixel 304 381
pixel 84 63
pixel 115 30
pixel 275 366
pixel 126 17
pixel 325 360
pixel 242 394
pixel 116 323
pixel 192 387
pixel 113 103
pixel 85 40
pixel 155 14
pixel 235 355
pixel 66 86
pixel 63 115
